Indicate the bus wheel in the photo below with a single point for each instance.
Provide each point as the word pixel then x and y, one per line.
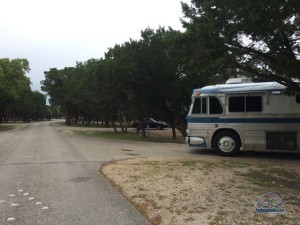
pixel 227 143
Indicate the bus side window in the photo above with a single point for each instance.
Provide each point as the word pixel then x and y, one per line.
pixel 298 98
pixel 245 104
pixel 215 106
pixel 237 104
pixel 253 104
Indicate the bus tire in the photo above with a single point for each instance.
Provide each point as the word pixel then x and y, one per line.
pixel 227 143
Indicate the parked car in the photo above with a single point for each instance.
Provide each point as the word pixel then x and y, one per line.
pixel 152 123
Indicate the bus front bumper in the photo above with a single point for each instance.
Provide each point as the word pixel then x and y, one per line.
pixel 195 141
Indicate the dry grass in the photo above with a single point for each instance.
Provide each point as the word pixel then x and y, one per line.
pixel 185 191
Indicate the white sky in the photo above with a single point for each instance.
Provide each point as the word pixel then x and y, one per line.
pixel 57 33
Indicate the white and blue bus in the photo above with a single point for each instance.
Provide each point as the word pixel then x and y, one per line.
pixel 241 115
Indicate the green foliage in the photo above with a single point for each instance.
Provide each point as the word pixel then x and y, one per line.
pixel 13 80
pixel 17 101
pixel 260 38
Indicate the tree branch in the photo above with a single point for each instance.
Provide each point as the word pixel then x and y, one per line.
pixel 256 52
pixel 291 85
pixel 288 46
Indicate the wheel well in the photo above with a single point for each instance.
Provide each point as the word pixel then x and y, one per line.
pixel 222 130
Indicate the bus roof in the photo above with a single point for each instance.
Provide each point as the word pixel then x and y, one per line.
pixel 240 88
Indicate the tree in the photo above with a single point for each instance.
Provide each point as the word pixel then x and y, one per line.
pixel 58 84
pixel 260 38
pixel 78 90
pixel 146 78
pixel 93 88
pixel 127 82
pixel 38 109
pixel 13 84
pixel 167 82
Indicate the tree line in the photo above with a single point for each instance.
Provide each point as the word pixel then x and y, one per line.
pixel 135 80
pixel 154 76
pixel 17 101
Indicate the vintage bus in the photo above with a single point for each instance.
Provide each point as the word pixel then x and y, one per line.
pixel 241 115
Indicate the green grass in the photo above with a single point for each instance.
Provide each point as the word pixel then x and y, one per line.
pixel 228 164
pixel 153 137
pixel 189 162
pixel 6 127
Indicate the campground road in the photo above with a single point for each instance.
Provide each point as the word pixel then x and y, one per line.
pixel 46 178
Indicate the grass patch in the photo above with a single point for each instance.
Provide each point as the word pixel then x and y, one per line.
pixel 189 162
pixel 273 177
pixel 153 137
pixel 6 127
pixel 227 164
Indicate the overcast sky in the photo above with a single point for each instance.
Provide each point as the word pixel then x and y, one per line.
pixel 57 33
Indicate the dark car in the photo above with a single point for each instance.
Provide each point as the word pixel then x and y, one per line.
pixel 152 123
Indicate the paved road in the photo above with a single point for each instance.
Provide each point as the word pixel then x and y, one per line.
pixel 47 177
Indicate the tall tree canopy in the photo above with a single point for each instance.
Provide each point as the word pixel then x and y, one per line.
pixel 13 80
pixel 254 37
pixel 17 101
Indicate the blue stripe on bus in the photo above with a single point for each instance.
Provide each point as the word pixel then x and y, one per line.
pixel 241 120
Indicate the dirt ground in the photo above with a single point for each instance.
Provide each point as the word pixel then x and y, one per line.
pixel 211 191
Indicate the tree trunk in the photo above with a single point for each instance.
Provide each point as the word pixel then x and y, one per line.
pixel 68 119
pixel 114 126
pixel 181 125
pixel 174 132
pixel 125 123
pixel 143 129
pixel 171 118
pixel 173 126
